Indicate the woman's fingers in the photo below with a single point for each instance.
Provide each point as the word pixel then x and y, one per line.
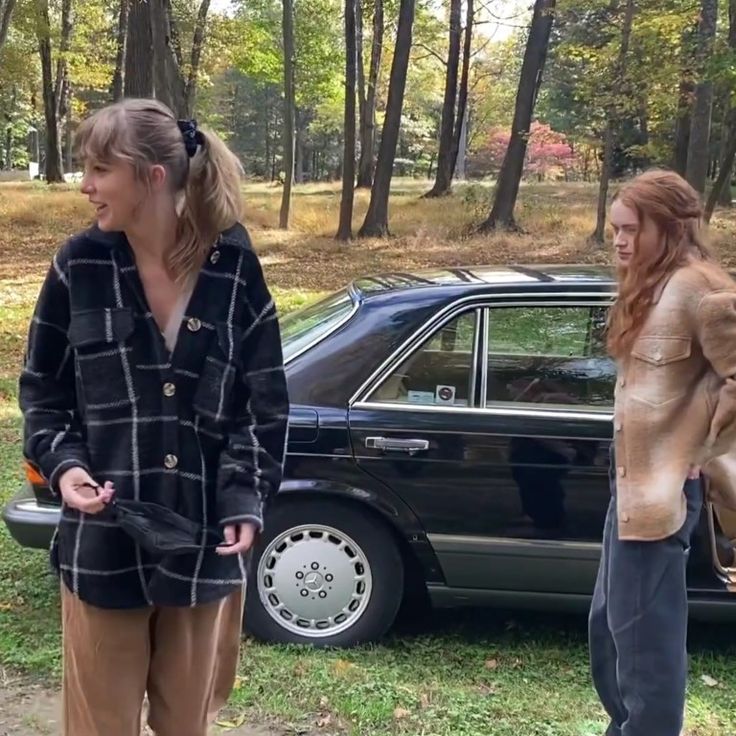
pixel 81 492
pixel 238 538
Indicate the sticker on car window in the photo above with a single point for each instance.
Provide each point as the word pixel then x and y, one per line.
pixel 444 395
pixel 421 397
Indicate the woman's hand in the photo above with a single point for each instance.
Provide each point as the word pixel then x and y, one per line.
pixel 694 472
pixel 239 538
pixel 81 492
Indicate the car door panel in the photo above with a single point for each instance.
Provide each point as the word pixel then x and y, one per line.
pixel 467 490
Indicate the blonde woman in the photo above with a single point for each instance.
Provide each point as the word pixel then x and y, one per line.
pixel 154 383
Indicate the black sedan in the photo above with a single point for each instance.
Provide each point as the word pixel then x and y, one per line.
pixel 449 433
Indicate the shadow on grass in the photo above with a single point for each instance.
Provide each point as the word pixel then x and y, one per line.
pixel 496 625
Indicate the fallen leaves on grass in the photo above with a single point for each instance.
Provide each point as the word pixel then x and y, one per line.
pixel 231 724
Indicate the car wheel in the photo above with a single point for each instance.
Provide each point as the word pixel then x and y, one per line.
pixel 324 574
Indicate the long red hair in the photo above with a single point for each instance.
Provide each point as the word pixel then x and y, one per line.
pixel 676 209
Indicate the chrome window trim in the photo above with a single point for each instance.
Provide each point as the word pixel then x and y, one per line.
pixel 602 415
pixel 484 301
pixel 474 356
pixel 356 300
pixel 484 358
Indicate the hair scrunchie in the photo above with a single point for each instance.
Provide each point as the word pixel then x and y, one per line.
pixel 193 138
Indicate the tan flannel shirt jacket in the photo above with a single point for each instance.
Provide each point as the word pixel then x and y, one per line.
pixel 675 403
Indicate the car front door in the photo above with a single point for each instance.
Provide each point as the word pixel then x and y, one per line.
pixel 494 425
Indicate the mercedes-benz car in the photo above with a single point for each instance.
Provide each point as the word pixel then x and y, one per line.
pixel 449 435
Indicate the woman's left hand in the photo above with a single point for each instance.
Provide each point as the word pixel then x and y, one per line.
pixel 239 538
pixel 694 472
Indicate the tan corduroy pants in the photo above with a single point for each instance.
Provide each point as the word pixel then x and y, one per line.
pixel 185 659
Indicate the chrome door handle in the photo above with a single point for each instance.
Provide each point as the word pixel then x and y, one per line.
pixel 391 444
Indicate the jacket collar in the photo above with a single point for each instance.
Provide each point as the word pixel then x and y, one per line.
pixel 235 235
pixel 110 239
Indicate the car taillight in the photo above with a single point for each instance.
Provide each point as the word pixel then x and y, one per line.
pixel 38 483
pixel 33 476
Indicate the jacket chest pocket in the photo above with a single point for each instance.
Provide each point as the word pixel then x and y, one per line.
pixel 214 396
pixel 98 337
pixel 658 378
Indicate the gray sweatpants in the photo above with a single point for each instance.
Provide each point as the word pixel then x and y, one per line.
pixel 638 626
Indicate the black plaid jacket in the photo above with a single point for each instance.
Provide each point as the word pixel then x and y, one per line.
pixel 201 430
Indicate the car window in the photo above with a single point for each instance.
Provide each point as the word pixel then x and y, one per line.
pixel 549 355
pixel 439 372
pixel 306 326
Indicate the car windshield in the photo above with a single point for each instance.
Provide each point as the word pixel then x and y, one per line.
pixel 306 326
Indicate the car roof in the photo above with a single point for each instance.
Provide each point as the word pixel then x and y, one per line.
pixel 512 275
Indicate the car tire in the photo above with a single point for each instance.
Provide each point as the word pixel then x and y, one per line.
pixel 324 573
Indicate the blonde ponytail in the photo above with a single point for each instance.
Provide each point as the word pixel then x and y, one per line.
pixel 211 203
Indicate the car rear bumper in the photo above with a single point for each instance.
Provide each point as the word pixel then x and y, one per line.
pixel 31 524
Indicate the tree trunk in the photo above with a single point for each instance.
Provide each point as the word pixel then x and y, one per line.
pixel 697 152
pixel 174 34
pixel 6 14
pixel 535 54
pixel 462 147
pixel 723 180
pixel 368 111
pixel 62 88
pixel 644 131
pixel 168 81
pixel 459 139
pixel 8 162
pixel 53 173
pixel 267 141
pixel 609 140
pixel 682 128
pixel 298 151
pixel 376 218
pixel 197 45
pixel 360 71
pixel 116 87
pixel 345 227
pixel 139 51
pixel 684 105
pixel 289 111
pixel 62 79
pixel 69 150
pixel 445 162
pixel 612 124
pixel 725 197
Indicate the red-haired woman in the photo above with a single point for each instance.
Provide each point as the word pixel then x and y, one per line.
pixel 672 331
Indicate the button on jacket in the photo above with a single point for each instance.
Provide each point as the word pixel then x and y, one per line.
pixel 675 400
pixel 201 430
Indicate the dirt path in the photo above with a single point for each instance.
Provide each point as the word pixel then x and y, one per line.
pixel 30 710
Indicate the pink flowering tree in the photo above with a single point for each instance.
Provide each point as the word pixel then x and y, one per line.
pixel 548 155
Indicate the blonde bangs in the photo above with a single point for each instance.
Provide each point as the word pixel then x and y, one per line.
pixel 101 137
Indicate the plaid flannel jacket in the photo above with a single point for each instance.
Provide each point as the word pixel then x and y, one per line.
pixel 201 430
